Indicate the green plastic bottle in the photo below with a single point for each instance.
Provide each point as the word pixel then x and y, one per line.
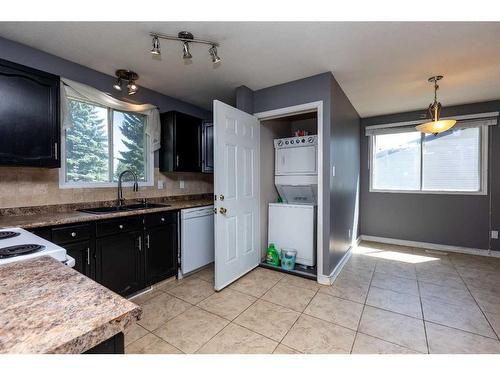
pixel 272 256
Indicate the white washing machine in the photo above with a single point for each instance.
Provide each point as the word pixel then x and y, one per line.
pixel 292 224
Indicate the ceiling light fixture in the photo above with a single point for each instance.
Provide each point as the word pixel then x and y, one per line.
pixel 185 51
pixel 118 84
pixel 127 76
pixel 213 52
pixel 156 46
pixel 435 126
pixel 186 38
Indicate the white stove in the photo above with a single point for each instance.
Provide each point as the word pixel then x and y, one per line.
pixel 18 244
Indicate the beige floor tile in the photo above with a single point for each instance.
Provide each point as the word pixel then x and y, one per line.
pixel 301 282
pixel 257 282
pixel 336 310
pixel 142 298
pixel 193 290
pixel 395 268
pixel 355 275
pixel 268 319
pixel 395 283
pixel 445 294
pixel 487 302
pixel 282 349
pixel 312 335
pixel 467 318
pixel 293 297
pixel 365 344
pixel 494 320
pixel 206 274
pixel 396 328
pixel 445 340
pixel 235 339
pixel 449 280
pixel 227 303
pixel 190 330
pixel 360 263
pixel 151 344
pixel 486 285
pixel 403 303
pixel 134 333
pixel 160 309
pixel 348 288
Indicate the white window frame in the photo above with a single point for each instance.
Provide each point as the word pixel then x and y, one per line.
pixel 483 175
pixel 149 169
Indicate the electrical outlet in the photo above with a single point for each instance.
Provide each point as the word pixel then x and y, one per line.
pixel 161 184
pixel 181 184
pixel 494 234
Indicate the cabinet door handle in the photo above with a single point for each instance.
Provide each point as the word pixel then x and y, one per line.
pixel 140 243
pixel 177 161
pixel 147 241
pixel 55 151
pixel 73 234
pixel 120 226
pixel 88 255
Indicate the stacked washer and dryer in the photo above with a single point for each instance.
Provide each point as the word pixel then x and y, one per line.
pixel 292 224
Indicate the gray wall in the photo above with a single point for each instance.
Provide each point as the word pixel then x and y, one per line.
pixel 345 125
pixel 344 187
pixel 458 220
pixel 22 54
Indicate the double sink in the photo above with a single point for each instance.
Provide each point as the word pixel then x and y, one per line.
pixel 129 207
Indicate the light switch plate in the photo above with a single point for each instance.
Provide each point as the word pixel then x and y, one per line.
pixel 494 234
pixel 181 184
pixel 161 184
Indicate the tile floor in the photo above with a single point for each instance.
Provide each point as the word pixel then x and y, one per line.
pixel 387 299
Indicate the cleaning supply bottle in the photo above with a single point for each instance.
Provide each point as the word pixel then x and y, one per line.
pixel 272 256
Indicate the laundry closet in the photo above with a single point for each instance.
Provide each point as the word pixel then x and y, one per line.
pixel 289 189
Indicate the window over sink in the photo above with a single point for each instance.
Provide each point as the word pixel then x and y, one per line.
pixel 103 142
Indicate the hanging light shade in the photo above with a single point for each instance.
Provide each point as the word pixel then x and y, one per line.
pixel 435 126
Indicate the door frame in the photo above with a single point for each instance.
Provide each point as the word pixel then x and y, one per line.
pixel 294 110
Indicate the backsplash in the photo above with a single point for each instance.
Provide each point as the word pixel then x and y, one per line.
pixel 22 187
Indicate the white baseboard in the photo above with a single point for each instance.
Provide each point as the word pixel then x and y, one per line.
pixel 432 246
pixel 328 280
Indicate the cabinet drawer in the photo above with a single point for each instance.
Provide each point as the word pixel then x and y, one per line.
pixel 128 224
pixel 160 218
pixel 71 233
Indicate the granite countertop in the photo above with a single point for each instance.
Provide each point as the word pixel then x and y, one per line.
pixel 43 219
pixel 47 307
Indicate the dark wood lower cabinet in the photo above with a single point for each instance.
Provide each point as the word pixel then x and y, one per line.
pixel 119 262
pixel 125 255
pixel 161 252
pixel 81 252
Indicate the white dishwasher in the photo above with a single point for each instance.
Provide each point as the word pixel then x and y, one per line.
pixel 197 238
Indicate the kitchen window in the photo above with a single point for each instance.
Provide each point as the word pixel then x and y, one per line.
pixel 403 160
pixel 101 143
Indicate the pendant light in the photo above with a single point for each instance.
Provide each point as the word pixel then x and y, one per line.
pixel 435 126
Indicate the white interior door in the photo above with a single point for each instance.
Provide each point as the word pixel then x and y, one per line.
pixel 236 186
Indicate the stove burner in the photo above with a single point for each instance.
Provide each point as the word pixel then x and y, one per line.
pixel 17 250
pixel 8 234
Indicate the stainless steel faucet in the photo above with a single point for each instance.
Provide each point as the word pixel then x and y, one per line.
pixel 120 189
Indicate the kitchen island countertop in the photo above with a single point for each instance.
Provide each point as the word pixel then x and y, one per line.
pixel 47 307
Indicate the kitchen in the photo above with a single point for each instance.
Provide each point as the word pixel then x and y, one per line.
pixel 188 206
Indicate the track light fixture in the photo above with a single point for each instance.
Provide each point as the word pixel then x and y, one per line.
pixel 186 38
pixel 185 51
pixel 213 52
pixel 128 76
pixel 156 46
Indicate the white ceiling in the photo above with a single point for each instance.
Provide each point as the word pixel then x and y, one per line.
pixel 382 67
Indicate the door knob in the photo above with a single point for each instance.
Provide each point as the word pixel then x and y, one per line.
pixel 221 197
pixel 222 210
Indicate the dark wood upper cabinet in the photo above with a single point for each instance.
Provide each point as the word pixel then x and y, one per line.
pixel 181 143
pixel 207 147
pixel 29 117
